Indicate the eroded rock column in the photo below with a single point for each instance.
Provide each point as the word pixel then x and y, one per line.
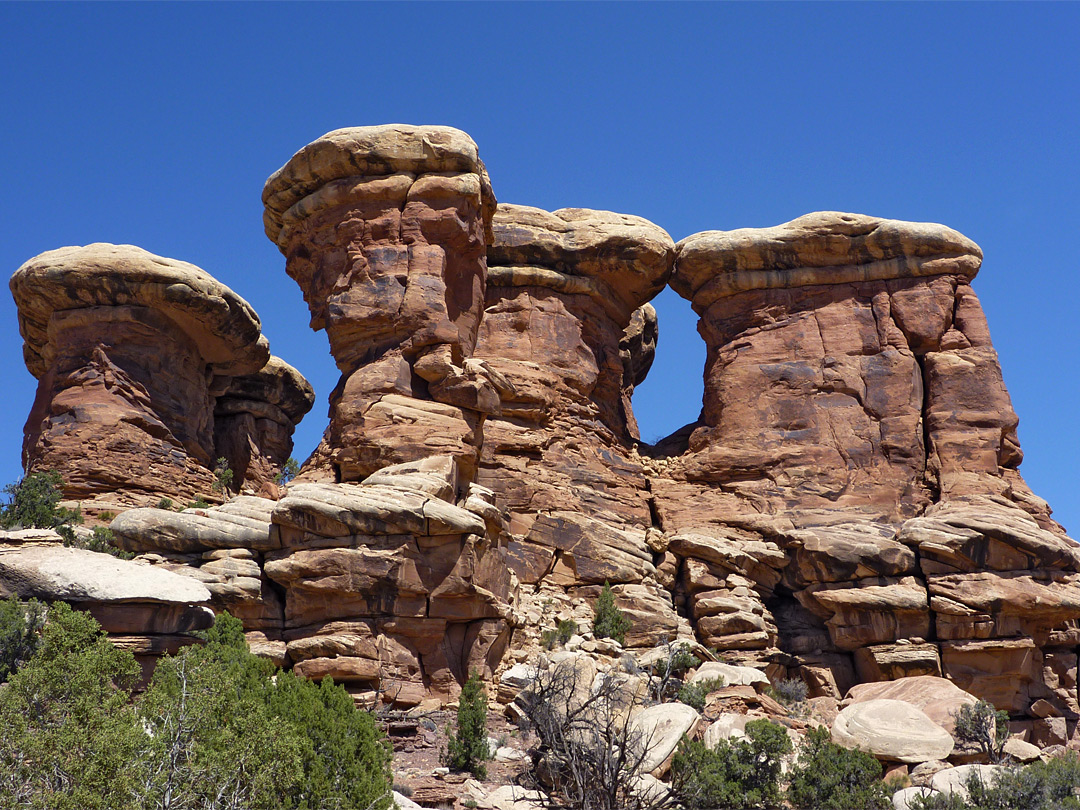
pixel 385 229
pixel 563 288
pixel 254 420
pixel 128 348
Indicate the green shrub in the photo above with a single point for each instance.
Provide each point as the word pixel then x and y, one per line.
pixel 694 694
pixel 217 727
pixel 467 747
pixel 562 633
pixel 165 503
pixel 289 470
pixel 1039 786
pixel 981 724
pixel 34 503
pixel 223 476
pixel 199 503
pixel 739 774
pixel 681 659
pixel 830 777
pixel 610 622
pixel 102 541
pixel 20 633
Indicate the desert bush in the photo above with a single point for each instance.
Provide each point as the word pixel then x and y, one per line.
pixel 467 746
pixel 223 476
pixel 610 622
pixel 21 624
pixel 590 754
pixel 102 541
pixel 739 774
pixel 694 694
pixel 830 777
pixel 789 691
pixel 289 470
pixel 1048 785
pixel 558 636
pixel 981 724
pixel 165 503
pixel 34 503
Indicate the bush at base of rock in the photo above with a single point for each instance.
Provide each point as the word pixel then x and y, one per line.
pixel 738 774
pixel 217 727
pixel 830 777
pixel 982 724
pixel 610 622
pixel 34 502
pixel 20 633
pixel 467 747
pixel 694 694
pixel 1048 785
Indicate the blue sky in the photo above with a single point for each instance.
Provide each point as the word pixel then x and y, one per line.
pixel 157 124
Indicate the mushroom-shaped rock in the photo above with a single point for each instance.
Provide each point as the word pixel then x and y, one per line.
pixel 385 230
pixel 254 422
pixel 125 345
pixel 836 344
pixel 563 288
pixel 826 247
pixel 891 730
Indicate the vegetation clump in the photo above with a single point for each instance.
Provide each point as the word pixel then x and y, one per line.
pixel 741 774
pixel 467 747
pixel 981 724
pixel 610 622
pixel 217 728
pixel 289 470
pixel 102 540
pixel 223 476
pixel 830 777
pixel 558 636
pixel 33 502
pixel 694 694
pixel 21 624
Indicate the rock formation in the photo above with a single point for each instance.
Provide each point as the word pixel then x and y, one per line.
pixel 846 510
pixel 254 421
pixel 385 230
pixel 144 609
pixel 130 351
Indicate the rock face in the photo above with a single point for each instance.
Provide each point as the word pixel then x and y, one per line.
pixel 392 585
pixel 855 466
pixel 130 351
pixel 144 609
pixel 846 510
pixel 254 421
pixel 567 328
pixel 385 230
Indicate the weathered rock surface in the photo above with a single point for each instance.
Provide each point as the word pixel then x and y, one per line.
pixel 254 421
pixel 130 351
pixel 936 697
pixel 143 608
pixel 385 230
pixel 891 730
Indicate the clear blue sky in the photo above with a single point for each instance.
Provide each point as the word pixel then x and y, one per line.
pixel 157 124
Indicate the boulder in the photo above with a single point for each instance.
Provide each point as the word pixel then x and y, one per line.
pixel 904 799
pixel 953 781
pixel 659 729
pixel 938 698
pixel 732 675
pixel 891 730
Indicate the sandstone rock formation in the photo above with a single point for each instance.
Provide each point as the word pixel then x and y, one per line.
pixel 846 510
pixel 144 609
pixel 385 230
pixel 254 421
pixel 391 585
pixel 130 351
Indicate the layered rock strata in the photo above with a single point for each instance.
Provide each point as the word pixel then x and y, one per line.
pixel 145 610
pixel 385 230
pixel 393 586
pixel 131 351
pixel 254 420
pixel 858 446
pixel 567 327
